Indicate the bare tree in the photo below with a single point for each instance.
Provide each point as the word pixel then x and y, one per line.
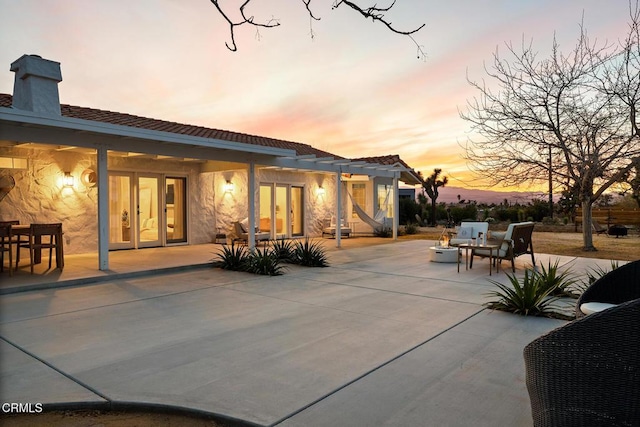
pixel 574 115
pixel 240 17
pixel 431 185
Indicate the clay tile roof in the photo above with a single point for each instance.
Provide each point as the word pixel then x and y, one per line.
pixel 389 159
pixel 123 119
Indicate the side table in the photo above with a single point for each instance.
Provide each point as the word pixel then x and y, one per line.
pixel 489 246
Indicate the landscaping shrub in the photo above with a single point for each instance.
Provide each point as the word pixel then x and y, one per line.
pixel 283 249
pixel 411 228
pixel 233 257
pixel 383 232
pixel 309 254
pixel 264 261
pixel 560 284
pixel 531 297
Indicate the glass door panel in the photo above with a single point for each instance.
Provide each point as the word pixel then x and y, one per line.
pixel 120 213
pixel 149 220
pixel 175 208
pixel 281 212
pixel 266 204
pixel 297 211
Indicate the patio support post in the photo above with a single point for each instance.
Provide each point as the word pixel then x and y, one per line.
pixel 252 206
pixel 338 207
pixel 396 207
pixel 103 209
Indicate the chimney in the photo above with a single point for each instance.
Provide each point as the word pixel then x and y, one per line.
pixel 36 85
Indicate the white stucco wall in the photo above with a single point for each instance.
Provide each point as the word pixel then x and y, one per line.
pixel 230 207
pixel 39 195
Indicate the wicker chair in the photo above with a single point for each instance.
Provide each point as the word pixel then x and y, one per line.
pixel 617 286
pixel 587 373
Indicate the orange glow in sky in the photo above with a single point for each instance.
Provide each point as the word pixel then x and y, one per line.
pixel 355 89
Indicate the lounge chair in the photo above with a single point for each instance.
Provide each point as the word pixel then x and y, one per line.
pixel 598 228
pixel 329 228
pixel 240 233
pixel 617 286
pixel 586 373
pixel 515 242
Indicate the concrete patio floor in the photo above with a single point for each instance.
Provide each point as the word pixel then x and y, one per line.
pixel 381 337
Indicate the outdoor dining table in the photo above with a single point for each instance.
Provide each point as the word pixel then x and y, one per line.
pixel 25 230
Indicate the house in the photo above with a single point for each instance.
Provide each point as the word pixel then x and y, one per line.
pixel 118 181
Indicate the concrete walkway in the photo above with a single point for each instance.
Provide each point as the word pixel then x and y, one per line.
pixel 382 337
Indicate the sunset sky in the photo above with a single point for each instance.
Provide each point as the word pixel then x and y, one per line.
pixel 355 89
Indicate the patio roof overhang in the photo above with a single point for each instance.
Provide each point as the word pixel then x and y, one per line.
pixel 23 127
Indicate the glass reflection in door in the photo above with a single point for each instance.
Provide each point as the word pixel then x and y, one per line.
pixel 175 208
pixel 297 211
pixel 148 213
pixel 120 213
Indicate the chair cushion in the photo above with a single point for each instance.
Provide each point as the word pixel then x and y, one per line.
pixel 594 307
pixel 464 233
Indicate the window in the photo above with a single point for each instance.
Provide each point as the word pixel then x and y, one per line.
pixel 359 194
pixel 13 163
pixel 385 199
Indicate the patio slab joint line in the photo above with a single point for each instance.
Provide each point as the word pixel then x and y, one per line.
pixel 382 365
pixel 64 374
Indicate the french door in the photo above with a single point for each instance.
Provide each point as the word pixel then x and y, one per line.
pixel 146 210
pixel 282 210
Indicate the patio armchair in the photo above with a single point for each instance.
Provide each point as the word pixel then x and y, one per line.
pixel 516 241
pixel 617 286
pixel 587 372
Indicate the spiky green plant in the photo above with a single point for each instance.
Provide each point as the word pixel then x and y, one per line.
pixel 559 283
pixel 232 257
pixel 264 261
pixel 283 249
pixel 597 272
pixel 529 297
pixel 309 254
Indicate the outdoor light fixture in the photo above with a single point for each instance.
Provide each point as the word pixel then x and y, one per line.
pixel 68 179
pixel 228 187
pixel 320 191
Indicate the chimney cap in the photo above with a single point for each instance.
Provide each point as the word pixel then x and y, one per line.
pixel 35 65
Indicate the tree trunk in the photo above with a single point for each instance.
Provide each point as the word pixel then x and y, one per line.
pixel 433 212
pixel 587 228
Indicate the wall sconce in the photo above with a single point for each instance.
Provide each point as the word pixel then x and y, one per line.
pixel 68 180
pixel 228 187
pixel 320 191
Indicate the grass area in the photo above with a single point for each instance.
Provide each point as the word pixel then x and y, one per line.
pixel 566 243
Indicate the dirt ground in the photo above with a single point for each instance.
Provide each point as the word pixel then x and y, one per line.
pixel 558 242
pixel 94 418
pixel 563 241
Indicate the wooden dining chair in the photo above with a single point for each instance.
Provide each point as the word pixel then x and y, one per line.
pixel 43 236
pixel 6 245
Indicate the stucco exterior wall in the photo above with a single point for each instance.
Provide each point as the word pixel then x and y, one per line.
pixel 39 194
pixel 230 207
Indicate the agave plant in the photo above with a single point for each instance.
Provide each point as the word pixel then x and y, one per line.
pixel 283 249
pixel 233 257
pixel 264 261
pixel 309 254
pixel 597 272
pixel 530 297
pixel 559 283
